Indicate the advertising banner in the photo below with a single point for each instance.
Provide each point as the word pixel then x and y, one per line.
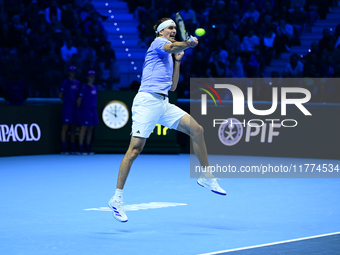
pixel 30 130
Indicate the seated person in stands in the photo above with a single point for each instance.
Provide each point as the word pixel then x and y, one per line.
pixel 16 91
pixel 294 68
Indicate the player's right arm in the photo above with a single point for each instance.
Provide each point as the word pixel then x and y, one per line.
pixel 178 47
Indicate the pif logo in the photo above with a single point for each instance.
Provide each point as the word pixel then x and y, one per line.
pixel 230 131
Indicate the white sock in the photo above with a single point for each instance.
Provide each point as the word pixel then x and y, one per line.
pixel 119 194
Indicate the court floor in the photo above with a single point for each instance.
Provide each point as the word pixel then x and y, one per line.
pixel 57 204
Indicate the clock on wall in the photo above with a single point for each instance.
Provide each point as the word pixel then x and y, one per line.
pixel 115 114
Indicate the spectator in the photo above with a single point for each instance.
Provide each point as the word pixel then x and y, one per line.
pixel 312 67
pixel 32 13
pixel 235 25
pixel 52 74
pixel 24 48
pixel 16 91
pixel 218 19
pixel 189 15
pixel 329 67
pixel 314 50
pixel 216 68
pixel 39 38
pixel 107 55
pixel 97 39
pixel 51 11
pixel 251 13
pixel 223 54
pixel 268 46
pixel 50 45
pixel 268 10
pixel 10 61
pixel 234 68
pixel 56 26
pixel 337 32
pixel 16 24
pixel 233 41
pixel 200 65
pixel 146 31
pixel 7 37
pixel 74 61
pixel 86 12
pixel 68 50
pixel 285 34
pixel 285 14
pixel 324 41
pixel 86 54
pixel 330 50
pixel 249 42
pixel 299 20
pixel 267 26
pixel 78 37
pixel 235 10
pixel 33 74
pixel 248 25
pixel 22 13
pixel 68 18
pixel 94 22
pixel 294 68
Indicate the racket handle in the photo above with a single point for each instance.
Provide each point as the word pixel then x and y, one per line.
pixel 191 38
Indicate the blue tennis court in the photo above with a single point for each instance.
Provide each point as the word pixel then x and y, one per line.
pixel 57 204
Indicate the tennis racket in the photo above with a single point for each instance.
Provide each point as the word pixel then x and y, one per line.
pixel 183 33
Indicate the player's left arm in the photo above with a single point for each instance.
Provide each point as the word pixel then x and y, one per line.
pixel 175 74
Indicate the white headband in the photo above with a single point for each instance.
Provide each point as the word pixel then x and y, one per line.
pixel 165 24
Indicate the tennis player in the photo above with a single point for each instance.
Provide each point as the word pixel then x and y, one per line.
pixel 151 106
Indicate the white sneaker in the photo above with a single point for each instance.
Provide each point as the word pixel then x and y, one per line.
pixel 117 209
pixel 211 183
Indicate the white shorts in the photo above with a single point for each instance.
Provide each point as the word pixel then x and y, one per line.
pixel 149 109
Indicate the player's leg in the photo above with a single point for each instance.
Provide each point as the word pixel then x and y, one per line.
pixel 175 118
pixel 116 202
pixel 189 126
pixel 135 148
pixel 146 111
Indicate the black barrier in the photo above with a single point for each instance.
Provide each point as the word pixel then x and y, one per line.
pixel 30 130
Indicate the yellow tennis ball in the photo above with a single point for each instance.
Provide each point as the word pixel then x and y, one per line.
pixel 200 31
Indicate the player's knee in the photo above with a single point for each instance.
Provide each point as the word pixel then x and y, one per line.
pixel 135 153
pixel 198 130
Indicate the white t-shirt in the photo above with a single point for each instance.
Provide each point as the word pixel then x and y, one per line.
pixel 157 68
